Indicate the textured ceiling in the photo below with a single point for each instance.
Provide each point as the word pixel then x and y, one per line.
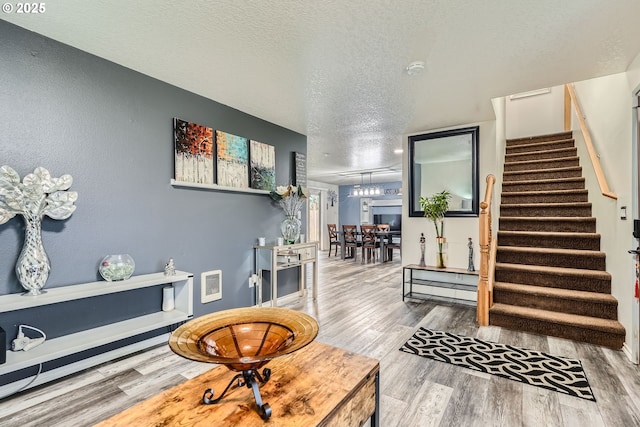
pixel 334 69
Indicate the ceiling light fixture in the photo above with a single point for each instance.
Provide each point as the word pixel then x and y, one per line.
pixel 414 68
pixel 361 189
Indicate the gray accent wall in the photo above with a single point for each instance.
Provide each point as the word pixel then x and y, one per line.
pixel 111 128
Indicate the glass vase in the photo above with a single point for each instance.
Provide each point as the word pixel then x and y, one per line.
pixel 290 228
pixel 116 267
pixel 33 265
pixel 441 252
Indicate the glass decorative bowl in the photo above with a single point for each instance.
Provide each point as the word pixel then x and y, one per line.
pixel 116 267
pixel 244 338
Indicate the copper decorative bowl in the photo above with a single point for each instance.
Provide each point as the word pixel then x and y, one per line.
pixel 244 340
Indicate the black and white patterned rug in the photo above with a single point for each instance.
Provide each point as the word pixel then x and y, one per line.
pixel 527 366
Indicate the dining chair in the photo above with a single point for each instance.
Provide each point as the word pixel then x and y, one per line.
pixel 369 241
pixel 393 244
pixel 383 227
pixel 334 240
pixel 351 241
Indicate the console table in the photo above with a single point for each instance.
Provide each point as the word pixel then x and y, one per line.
pixel 319 385
pixel 276 258
pixel 429 281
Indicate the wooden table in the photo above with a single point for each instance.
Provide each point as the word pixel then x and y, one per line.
pixel 382 235
pixel 319 385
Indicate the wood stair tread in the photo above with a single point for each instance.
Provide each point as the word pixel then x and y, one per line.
pixel 556 136
pixel 558 251
pixel 567 294
pixel 510 156
pixel 536 161
pixel 544 192
pixel 561 271
pixel 572 234
pixel 558 204
pixel 536 171
pixel 543 181
pixel 549 218
pixel 535 144
pixel 572 320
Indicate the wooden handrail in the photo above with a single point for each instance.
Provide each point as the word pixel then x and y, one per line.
pixel 593 155
pixel 567 109
pixel 487 252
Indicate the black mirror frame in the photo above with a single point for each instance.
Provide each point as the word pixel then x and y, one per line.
pixel 475 140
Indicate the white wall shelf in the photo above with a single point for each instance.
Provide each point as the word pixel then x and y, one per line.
pixel 55 348
pixel 70 344
pixel 20 301
pixel 216 187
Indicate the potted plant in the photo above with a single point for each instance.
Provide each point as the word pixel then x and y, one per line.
pixel 434 208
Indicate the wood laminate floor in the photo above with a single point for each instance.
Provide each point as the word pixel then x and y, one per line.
pixel 360 308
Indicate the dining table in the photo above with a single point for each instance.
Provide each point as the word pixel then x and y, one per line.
pixel 384 237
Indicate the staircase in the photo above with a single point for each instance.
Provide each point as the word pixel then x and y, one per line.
pixel 550 274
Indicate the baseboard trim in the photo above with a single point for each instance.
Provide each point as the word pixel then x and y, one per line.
pixel 627 352
pixel 292 297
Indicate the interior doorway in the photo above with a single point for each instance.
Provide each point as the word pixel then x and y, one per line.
pixel 314 216
pixel 635 344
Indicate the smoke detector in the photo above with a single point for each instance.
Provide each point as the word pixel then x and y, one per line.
pixel 414 68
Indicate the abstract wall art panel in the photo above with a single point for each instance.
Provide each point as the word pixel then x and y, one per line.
pixel 233 160
pixel 263 166
pixel 193 152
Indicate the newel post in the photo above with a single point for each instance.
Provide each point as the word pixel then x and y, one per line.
pixel 483 281
pixel 485 284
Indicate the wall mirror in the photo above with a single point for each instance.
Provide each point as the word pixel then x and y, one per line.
pixel 445 160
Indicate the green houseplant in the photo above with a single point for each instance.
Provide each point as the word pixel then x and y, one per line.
pixel 434 208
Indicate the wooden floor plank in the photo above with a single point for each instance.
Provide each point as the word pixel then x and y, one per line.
pixel 503 405
pixel 392 410
pixel 428 405
pixel 467 400
pixel 540 407
pixel 47 392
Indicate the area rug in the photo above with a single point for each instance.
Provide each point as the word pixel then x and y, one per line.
pixel 527 366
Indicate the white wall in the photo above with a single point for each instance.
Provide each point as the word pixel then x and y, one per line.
pixel 535 115
pixel 457 230
pixel 457 184
pixel 500 110
pixel 633 78
pixel 606 104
